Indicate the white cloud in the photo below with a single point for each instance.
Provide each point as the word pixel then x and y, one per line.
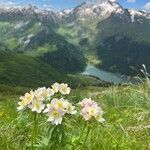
pixel 147 6
pixel 113 0
pixel 7 3
pixel 47 7
pixel 131 1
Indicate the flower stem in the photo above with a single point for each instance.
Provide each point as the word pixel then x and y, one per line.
pixel 82 132
pixel 87 134
pixel 61 136
pixel 34 131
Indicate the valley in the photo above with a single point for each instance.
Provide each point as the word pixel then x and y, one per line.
pixel 114 39
pixel 105 75
pixel 101 50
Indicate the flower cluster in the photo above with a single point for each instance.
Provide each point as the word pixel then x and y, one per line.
pixel 42 100
pixel 62 88
pixel 57 109
pixel 91 110
pixel 35 99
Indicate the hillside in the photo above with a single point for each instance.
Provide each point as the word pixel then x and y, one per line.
pixel 129 55
pixel 92 23
pixel 21 70
pixel 70 38
pixel 32 31
pixel 126 113
pixel 26 71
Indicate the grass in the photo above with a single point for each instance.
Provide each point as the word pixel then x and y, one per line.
pixel 127 125
pixel 40 50
pixel 26 71
pixel 70 35
pixel 12 43
pixel 22 70
pixel 92 58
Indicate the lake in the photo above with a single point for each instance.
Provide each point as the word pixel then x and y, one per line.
pixel 104 75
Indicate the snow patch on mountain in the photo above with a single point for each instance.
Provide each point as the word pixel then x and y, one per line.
pixel 140 13
pixel 21 24
pixel 29 10
pixel 100 9
pixel 139 16
pixel 90 10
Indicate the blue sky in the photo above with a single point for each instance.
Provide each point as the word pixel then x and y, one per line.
pixel 62 4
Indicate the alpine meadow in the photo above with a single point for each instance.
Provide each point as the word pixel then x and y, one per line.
pixel 74 75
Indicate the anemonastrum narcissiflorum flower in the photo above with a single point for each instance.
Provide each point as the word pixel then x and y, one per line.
pixel 91 110
pixel 57 109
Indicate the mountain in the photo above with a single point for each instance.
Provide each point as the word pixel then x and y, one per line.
pixel 93 23
pixel 80 23
pixel 91 10
pixel 18 12
pixel 94 30
pixel 32 31
pixel 91 17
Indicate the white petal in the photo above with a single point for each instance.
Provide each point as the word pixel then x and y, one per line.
pixel 73 112
pixel 46 110
pixel 58 121
pixel 50 118
pixel 101 120
pixel 19 108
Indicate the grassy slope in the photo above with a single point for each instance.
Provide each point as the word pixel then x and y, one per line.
pixel 26 71
pixel 126 112
pixel 13 37
pixel 21 70
pixel 40 40
pixel 78 32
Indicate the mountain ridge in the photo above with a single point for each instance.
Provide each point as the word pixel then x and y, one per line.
pixel 109 5
pixel 71 35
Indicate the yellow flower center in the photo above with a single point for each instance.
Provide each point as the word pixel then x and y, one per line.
pixel 23 102
pixel 56 114
pixel 37 105
pixel 92 111
pixel 28 98
pixel 60 105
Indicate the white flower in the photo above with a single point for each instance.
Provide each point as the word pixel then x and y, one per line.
pixel 55 87
pixel 42 94
pixel 48 93
pixel 37 106
pixel 35 100
pixel 59 103
pixel 87 102
pixel 48 107
pixel 25 100
pixel 63 104
pixel 70 108
pixel 22 105
pixel 64 89
pixel 39 94
pixel 57 109
pixel 91 110
pixel 54 114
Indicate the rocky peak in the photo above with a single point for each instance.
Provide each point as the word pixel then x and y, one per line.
pixel 26 11
pixel 92 9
